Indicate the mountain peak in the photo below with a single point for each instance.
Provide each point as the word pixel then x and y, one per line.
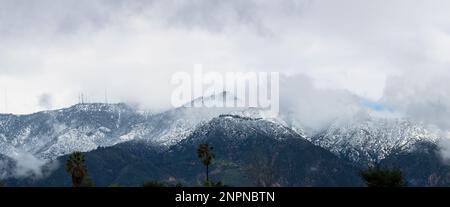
pixel 219 99
pixel 116 107
pixel 368 139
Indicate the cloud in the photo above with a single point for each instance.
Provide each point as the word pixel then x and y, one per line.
pixel 45 101
pixel 424 97
pixel 25 165
pixel 381 51
pixel 312 108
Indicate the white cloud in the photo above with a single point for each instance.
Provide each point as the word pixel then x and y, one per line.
pixel 45 101
pixel 132 49
pixel 313 108
pixel 423 96
pixel 25 165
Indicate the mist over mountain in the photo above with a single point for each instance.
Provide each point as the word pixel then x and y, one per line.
pixel 244 148
pixel 128 146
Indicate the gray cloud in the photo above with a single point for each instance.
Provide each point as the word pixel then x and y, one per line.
pixel 313 108
pixel 45 101
pixel 423 96
pixel 25 165
pixel 49 17
pixel 347 49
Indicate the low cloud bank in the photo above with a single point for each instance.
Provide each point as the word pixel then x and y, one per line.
pixel 25 165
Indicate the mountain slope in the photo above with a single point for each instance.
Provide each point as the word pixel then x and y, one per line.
pixel 367 139
pixel 249 152
pixel 85 127
pixel 422 166
pixel 253 147
pixel 272 153
pixel 50 134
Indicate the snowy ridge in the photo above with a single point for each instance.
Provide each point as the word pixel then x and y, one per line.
pixel 49 134
pixel 363 138
pixel 236 127
pixel 221 99
pixel 85 127
pixel 170 127
pixel 368 139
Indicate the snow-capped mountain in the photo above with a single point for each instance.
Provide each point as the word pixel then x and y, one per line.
pixel 366 138
pixel 248 152
pixel 237 127
pixel 85 127
pixel 238 134
pixel 172 126
pixel 363 138
pixel 82 127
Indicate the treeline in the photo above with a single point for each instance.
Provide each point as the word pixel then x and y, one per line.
pixel 76 168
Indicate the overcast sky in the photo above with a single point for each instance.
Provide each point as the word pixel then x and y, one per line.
pixel 393 52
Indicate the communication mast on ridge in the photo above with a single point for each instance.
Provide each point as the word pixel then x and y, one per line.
pixel 106 96
pixel 81 98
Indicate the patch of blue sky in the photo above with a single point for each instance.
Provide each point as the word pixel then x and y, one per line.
pixel 374 105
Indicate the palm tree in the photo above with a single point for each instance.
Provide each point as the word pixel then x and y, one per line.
pixel 205 154
pixel 76 168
